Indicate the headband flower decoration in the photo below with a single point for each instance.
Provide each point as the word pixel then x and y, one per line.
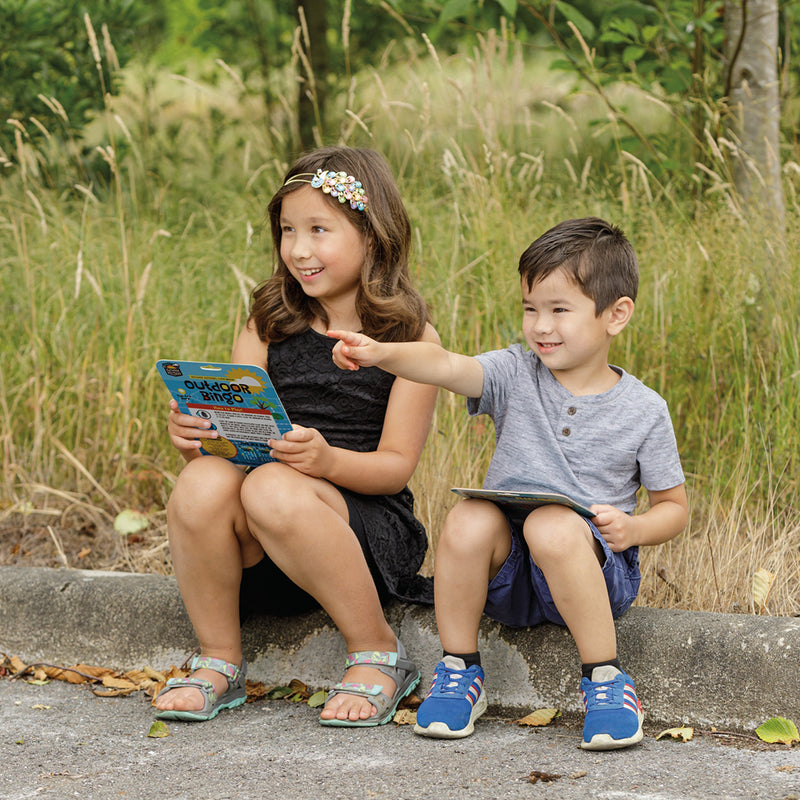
pixel 345 188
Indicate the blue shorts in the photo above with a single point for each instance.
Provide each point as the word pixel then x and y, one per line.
pixel 519 595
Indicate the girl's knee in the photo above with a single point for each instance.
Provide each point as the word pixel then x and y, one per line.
pixel 272 494
pixel 205 487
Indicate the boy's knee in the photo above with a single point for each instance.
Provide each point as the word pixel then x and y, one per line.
pixel 473 524
pixel 554 532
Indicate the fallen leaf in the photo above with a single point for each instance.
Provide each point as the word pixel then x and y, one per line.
pixel 411 702
pixel 154 674
pixel 38 681
pixel 158 730
pixel 405 717
pixel 762 584
pixel 544 777
pixel 40 707
pixel 778 730
pixel 542 716
pixel 684 733
pixel 109 691
pixel 317 699
pixel 84 552
pixel 299 691
pixel 111 682
pixel 130 521
pixel 16 665
pixel 580 774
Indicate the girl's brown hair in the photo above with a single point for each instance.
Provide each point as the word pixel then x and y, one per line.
pixel 389 307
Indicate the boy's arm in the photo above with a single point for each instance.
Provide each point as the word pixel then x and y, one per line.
pixel 421 362
pixel 666 518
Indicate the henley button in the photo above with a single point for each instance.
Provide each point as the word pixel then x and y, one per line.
pixel 566 431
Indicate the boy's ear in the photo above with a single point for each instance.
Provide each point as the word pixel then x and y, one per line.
pixel 620 315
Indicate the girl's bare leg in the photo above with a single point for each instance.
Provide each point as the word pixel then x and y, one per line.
pixel 302 524
pixel 562 546
pixel 474 543
pixel 210 544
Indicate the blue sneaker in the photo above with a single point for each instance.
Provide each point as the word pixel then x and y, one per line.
pixel 613 711
pixel 454 702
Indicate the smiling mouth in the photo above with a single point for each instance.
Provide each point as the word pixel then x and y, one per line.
pixel 308 273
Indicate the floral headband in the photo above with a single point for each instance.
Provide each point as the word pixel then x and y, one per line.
pixel 340 185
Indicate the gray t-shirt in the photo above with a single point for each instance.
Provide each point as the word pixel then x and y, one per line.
pixel 594 448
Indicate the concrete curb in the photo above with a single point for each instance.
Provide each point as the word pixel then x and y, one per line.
pixel 703 669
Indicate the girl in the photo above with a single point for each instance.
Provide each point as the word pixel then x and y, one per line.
pixel 330 523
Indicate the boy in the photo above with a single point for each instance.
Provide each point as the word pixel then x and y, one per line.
pixel 565 421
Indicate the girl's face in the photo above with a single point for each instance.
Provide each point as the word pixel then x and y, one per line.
pixel 323 250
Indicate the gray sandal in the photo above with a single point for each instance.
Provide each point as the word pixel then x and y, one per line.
pixel 395 666
pixel 234 696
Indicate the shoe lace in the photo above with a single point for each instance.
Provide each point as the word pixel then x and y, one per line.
pixel 603 694
pixel 451 682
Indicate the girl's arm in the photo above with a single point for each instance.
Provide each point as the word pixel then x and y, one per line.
pixel 425 361
pixel 186 431
pixel 385 470
pixel 666 518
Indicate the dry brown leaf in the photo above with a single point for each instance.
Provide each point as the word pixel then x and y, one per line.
pixel 108 691
pixel 112 682
pixel 16 664
pixel 545 777
pixel 56 673
pixel 542 716
pixel 411 702
pixel 153 690
pixel 255 691
pixel 763 580
pixel 684 733
pixel 154 674
pixel 405 716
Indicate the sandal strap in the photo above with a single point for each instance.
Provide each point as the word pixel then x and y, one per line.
pixel 390 664
pixel 366 689
pixel 206 688
pixel 230 671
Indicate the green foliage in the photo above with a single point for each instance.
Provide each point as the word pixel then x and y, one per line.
pixel 48 69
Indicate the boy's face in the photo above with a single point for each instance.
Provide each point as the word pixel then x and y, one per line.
pixel 561 327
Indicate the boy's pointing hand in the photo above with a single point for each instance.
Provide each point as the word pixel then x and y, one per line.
pixel 353 350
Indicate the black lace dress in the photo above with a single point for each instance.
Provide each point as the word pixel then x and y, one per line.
pixel 348 409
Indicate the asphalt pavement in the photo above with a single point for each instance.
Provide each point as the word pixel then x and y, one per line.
pixel 709 671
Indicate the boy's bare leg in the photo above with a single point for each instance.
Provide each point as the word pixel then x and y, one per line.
pixel 209 543
pixel 475 541
pixel 304 529
pixel 562 546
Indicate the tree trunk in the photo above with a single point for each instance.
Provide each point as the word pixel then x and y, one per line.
pixel 311 102
pixel 751 50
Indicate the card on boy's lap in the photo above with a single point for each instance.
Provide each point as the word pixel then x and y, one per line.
pixel 524 501
pixel 238 400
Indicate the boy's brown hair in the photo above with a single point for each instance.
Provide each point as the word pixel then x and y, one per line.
pixel 591 251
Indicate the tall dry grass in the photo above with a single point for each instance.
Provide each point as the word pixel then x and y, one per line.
pixel 157 255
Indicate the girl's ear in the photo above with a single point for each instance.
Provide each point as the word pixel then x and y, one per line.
pixel 620 315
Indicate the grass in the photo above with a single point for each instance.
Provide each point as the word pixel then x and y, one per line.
pixel 99 279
